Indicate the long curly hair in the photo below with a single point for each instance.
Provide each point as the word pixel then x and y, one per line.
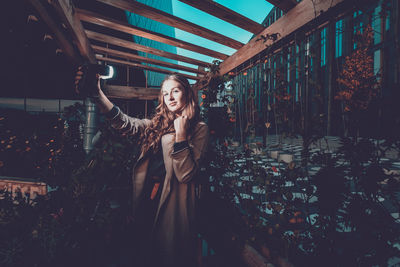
pixel 163 120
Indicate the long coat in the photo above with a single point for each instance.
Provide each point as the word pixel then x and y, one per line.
pixel 173 230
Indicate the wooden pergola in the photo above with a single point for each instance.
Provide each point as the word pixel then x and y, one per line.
pixel 75 40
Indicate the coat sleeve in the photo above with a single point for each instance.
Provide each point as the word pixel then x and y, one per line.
pixel 186 162
pixel 126 124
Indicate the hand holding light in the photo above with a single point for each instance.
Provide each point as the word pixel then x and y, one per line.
pixel 87 79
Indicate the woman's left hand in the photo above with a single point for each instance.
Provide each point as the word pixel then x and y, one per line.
pixel 181 124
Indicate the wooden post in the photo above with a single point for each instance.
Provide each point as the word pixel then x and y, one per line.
pixel 330 65
pixel 307 102
pixel 396 30
pixel 145 104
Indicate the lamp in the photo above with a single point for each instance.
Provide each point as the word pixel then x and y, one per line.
pixel 87 86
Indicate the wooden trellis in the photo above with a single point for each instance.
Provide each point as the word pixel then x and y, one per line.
pixel 79 38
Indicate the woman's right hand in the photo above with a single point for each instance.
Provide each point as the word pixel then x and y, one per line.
pixel 87 83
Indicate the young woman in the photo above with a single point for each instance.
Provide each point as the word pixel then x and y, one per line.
pixel 173 144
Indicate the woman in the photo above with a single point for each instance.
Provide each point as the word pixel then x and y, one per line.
pixel 164 178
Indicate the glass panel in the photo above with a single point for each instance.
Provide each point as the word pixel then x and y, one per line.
pixel 357 25
pixel 323 46
pixel 339 39
pixel 288 67
pixel 376 25
pixel 377 61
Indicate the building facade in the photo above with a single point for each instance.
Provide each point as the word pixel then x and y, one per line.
pixel 307 65
pixel 153 78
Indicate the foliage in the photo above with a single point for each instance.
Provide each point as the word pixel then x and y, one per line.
pixel 286 111
pixel 218 119
pixel 358 83
pixel 214 85
pixel 333 217
pixel 85 220
pixel 269 40
pixel 28 142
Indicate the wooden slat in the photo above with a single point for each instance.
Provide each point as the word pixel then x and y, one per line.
pixel 130 92
pixel 61 39
pixel 226 14
pixel 298 16
pixel 284 5
pixel 140 66
pixel 139 59
pixel 163 17
pixel 131 45
pixel 114 24
pixel 68 15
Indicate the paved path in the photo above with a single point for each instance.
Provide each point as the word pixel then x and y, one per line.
pixel 271 156
pixel 328 144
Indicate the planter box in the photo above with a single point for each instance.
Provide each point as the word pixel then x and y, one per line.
pixel 274 154
pixel 287 158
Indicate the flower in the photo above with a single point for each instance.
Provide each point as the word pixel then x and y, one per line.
pixel 35 233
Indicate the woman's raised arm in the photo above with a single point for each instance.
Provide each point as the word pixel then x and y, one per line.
pixel 101 100
pixel 118 119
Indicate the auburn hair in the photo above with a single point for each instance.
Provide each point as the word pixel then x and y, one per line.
pixel 163 119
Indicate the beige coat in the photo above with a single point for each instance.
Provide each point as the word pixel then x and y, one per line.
pixel 173 228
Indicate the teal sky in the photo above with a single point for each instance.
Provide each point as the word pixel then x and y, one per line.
pixel 255 10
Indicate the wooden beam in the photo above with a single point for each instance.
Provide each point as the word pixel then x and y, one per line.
pixel 66 46
pixel 134 46
pixel 68 15
pixel 226 14
pixel 130 92
pixel 164 17
pixel 140 66
pixel 137 58
pixel 114 24
pixel 284 5
pixel 298 16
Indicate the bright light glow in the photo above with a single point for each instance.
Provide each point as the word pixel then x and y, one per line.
pixel 110 73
